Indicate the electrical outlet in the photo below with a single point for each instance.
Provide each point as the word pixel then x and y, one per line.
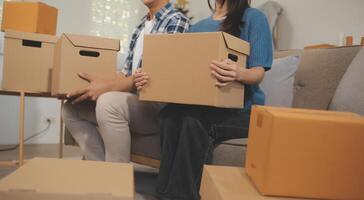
pixel 48 120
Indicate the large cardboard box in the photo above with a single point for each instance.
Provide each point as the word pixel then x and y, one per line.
pixel 229 183
pixel 82 54
pixel 34 17
pixel 28 60
pixel 306 153
pixel 45 179
pixel 179 68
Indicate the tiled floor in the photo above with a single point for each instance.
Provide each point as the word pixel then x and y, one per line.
pixel 145 177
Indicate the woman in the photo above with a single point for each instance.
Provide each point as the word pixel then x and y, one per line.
pixel 189 133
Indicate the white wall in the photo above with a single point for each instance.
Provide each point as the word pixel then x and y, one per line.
pixel 306 22
pixel 199 10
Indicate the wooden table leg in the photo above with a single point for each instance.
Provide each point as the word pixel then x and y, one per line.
pixel 21 128
pixel 61 132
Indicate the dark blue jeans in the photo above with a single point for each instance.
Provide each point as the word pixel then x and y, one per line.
pixel 188 137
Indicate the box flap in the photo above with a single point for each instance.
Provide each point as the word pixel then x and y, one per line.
pixel 236 44
pixel 30 36
pixel 313 114
pixel 93 42
pixel 72 177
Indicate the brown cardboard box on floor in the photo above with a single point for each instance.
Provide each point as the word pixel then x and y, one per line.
pixel 229 183
pixel 57 179
pixel 82 54
pixel 179 68
pixel 306 153
pixel 28 60
pixel 34 17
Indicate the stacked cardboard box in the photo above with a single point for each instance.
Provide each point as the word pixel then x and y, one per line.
pixel 29 45
pixel 180 69
pixel 295 153
pixel 36 61
pixel 33 17
pixel 45 178
pixel 306 153
pixel 28 61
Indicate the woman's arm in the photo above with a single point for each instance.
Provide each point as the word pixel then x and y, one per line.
pixel 227 71
pixel 140 79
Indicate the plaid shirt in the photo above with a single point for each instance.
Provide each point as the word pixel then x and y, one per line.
pixel 168 20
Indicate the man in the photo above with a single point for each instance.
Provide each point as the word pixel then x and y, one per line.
pixel 102 116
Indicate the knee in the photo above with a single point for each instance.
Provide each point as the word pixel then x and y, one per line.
pixel 109 105
pixel 191 125
pixel 196 128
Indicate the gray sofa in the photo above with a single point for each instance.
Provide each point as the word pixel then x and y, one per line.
pixel 316 81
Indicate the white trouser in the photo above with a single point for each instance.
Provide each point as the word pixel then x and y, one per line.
pixel 103 129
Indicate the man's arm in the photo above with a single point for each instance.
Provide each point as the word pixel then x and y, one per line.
pixel 99 86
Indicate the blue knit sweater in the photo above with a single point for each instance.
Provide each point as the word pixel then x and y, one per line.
pixel 256 31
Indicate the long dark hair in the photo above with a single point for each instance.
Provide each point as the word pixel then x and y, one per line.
pixel 235 12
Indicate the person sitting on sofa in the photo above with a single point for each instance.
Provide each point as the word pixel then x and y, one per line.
pixel 102 116
pixel 188 133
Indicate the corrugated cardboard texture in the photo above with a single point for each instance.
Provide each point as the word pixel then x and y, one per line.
pixel 44 179
pixel 306 153
pixel 34 17
pixel 28 60
pixel 93 42
pixel 68 61
pixel 179 68
pixel 229 183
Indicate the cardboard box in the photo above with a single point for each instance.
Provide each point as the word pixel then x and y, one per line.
pixel 34 17
pixel 45 179
pixel 179 68
pixel 229 183
pixel 306 153
pixel 87 54
pixel 28 60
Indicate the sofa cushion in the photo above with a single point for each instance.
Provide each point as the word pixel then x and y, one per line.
pixel 319 74
pixel 286 53
pixel 349 95
pixel 230 153
pixel 278 82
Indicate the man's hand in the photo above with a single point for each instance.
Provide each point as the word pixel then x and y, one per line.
pixel 96 88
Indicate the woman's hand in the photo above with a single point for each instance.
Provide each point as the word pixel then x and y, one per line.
pixel 140 79
pixel 96 88
pixel 225 71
